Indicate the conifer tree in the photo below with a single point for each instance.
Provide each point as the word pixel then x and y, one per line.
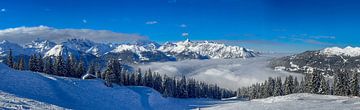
pixel 324 86
pixel 354 85
pixel 48 66
pixel 21 63
pixel 10 59
pixel 278 87
pixel 289 85
pixel 92 69
pixel 59 66
pixel 33 63
pixel 80 70
pixel 39 64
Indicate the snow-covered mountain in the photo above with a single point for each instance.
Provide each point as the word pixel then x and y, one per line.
pixel 211 50
pixel 139 51
pixel 326 61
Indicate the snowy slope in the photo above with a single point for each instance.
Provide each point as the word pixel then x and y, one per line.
pixel 301 101
pixel 40 46
pixel 347 51
pixel 12 102
pixel 86 94
pixel 5 46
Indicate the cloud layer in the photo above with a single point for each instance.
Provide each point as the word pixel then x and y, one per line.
pixel 229 73
pixel 27 34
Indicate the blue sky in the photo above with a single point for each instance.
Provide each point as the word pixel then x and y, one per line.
pixel 265 25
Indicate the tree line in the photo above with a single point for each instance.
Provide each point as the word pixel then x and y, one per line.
pixel 344 83
pixel 116 73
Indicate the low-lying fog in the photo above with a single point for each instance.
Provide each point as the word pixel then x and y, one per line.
pixel 228 73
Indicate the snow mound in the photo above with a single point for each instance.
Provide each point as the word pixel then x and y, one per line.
pixel 301 101
pixel 347 51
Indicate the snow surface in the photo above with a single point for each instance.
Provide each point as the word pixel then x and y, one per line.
pixel 11 102
pixel 83 94
pixel 347 51
pixel 302 101
pixel 228 73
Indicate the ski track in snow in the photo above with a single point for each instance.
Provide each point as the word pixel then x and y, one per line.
pixel 228 73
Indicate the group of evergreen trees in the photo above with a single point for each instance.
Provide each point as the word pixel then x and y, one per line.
pixel 344 84
pixel 117 74
pixel 55 66
pixel 168 86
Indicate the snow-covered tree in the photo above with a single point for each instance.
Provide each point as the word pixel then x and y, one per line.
pixel 324 86
pixel 288 85
pixel 278 91
pixel 354 85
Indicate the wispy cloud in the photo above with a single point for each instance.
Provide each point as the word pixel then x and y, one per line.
pixel 151 22
pixel 185 34
pixel 84 21
pixel 237 42
pixel 3 10
pixel 313 41
pixel 183 25
pixel 323 37
pixel 27 34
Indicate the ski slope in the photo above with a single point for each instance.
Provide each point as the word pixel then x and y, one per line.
pixel 35 89
pixel 302 101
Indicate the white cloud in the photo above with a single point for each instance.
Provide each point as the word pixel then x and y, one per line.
pixel 151 22
pixel 185 34
pixel 183 25
pixel 3 10
pixel 84 21
pixel 27 34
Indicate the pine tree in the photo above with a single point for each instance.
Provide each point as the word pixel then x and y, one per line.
pixel 296 85
pixel 270 86
pixel 48 66
pixel 71 66
pixel 21 64
pixel 289 85
pixel 59 66
pixel 92 69
pixel 278 87
pixel 39 64
pixel 340 83
pixel 324 86
pixel 354 85
pixel 33 63
pixel 315 82
pixel 80 70
pixel 183 92
pixel 10 59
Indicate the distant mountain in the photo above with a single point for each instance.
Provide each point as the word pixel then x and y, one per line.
pixel 206 49
pixel 137 52
pixel 326 61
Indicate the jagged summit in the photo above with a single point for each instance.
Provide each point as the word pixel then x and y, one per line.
pixel 144 50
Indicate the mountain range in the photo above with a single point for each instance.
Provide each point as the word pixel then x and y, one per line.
pixel 137 52
pixel 326 61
